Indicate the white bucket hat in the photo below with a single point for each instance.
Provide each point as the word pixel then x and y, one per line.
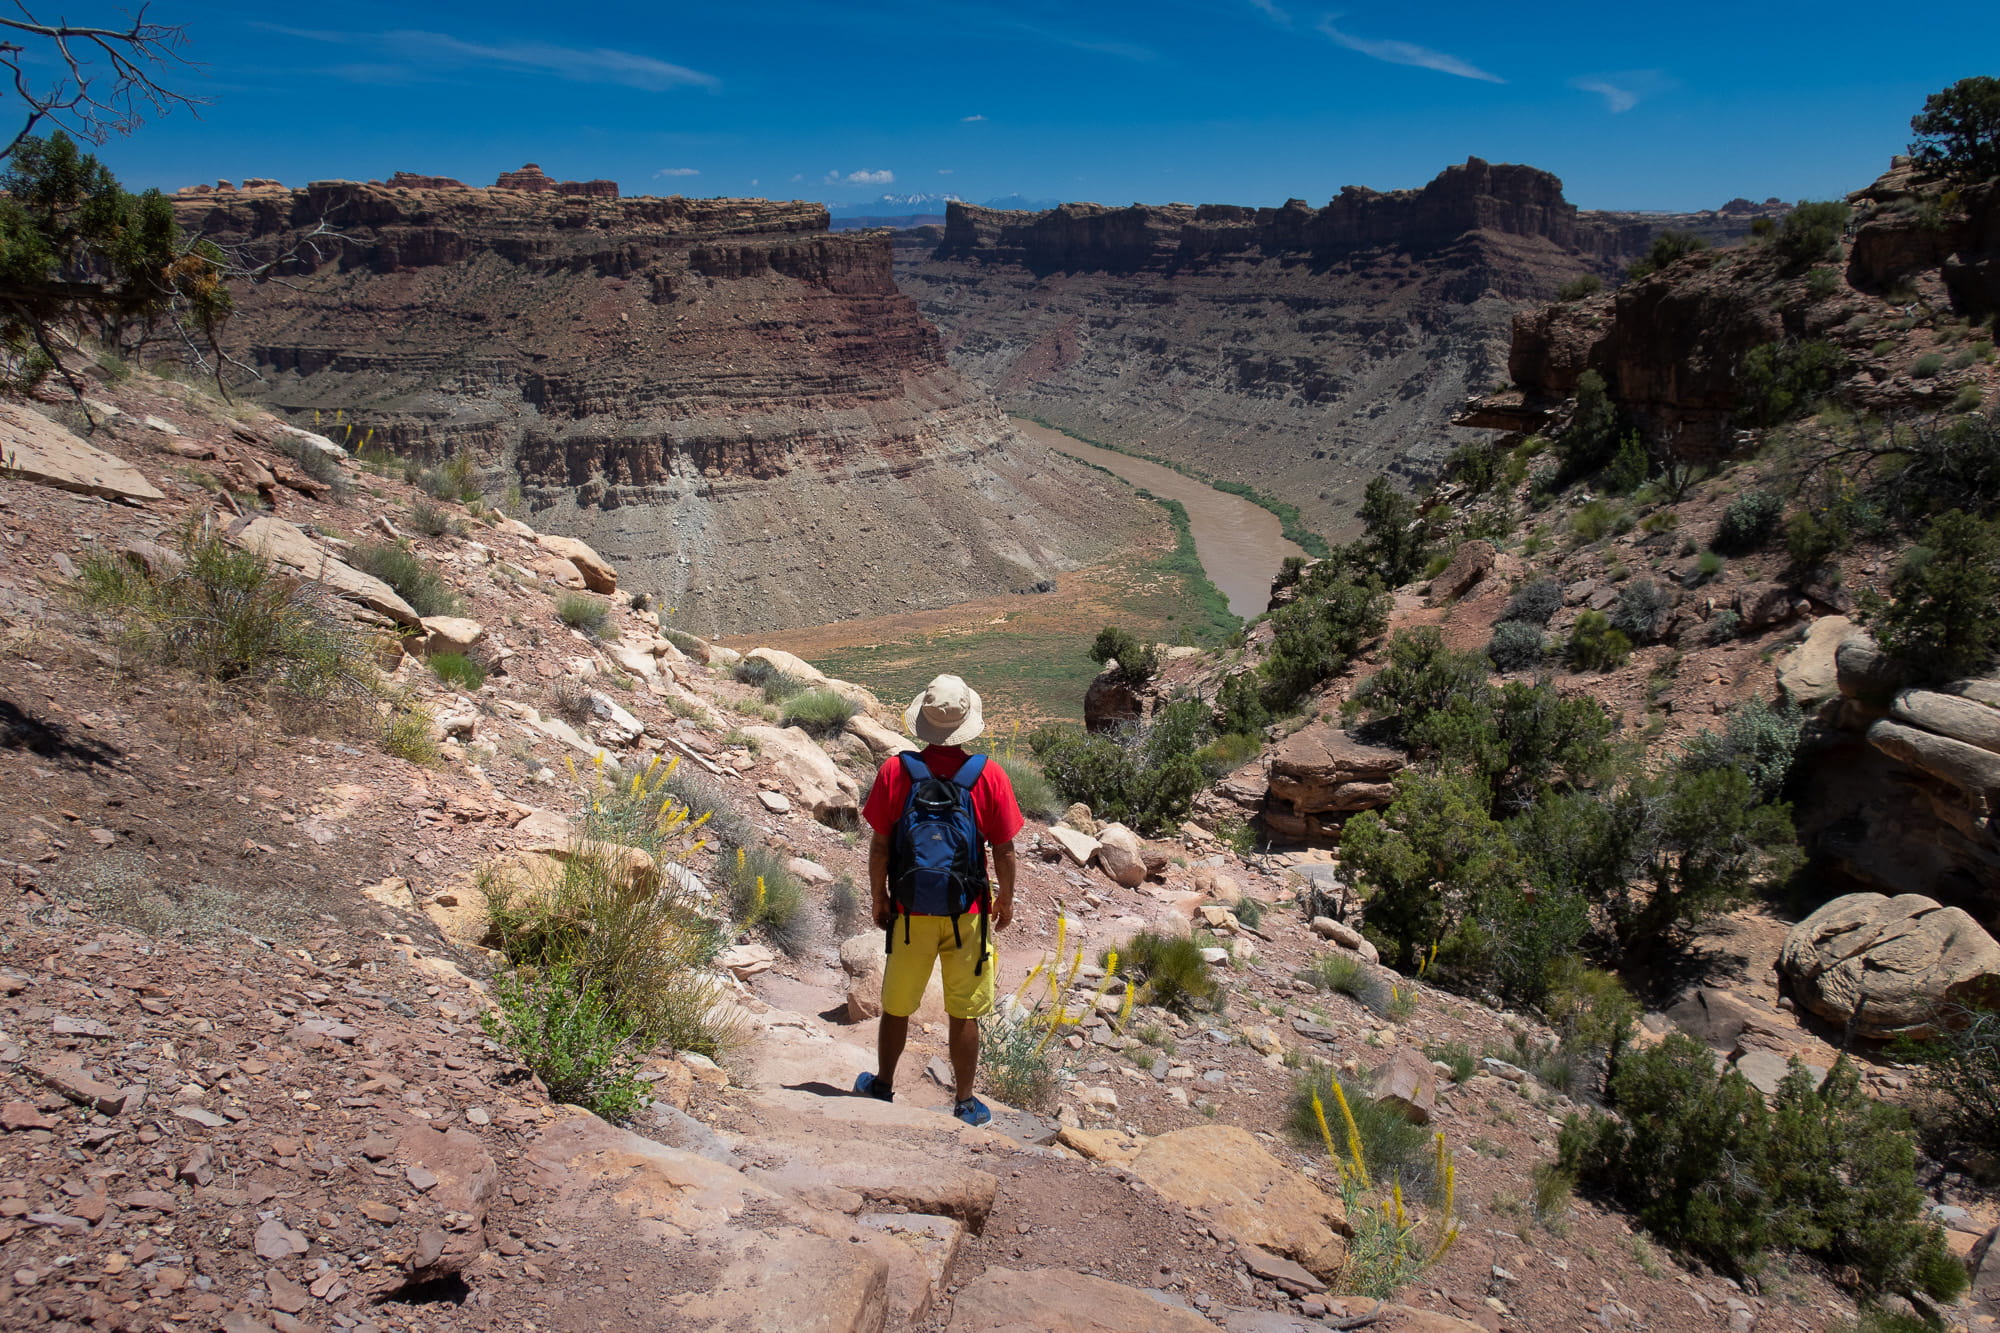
pixel 946 713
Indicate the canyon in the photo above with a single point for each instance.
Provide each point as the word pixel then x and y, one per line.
pixel 1300 350
pixel 733 403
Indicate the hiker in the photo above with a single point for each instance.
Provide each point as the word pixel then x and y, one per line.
pixel 934 814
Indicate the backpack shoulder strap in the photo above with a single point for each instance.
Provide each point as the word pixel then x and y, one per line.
pixel 968 772
pixel 913 766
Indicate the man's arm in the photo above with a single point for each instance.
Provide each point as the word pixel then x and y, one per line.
pixel 1003 898
pixel 878 879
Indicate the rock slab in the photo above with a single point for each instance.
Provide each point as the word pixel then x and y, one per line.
pixel 1892 967
pixel 36 449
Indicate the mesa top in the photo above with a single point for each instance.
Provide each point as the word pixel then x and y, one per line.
pixel 994 809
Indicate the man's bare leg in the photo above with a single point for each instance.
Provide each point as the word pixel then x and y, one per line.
pixel 964 1054
pixel 890 1037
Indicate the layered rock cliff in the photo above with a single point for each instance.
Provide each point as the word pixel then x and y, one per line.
pixel 1302 350
pixel 735 405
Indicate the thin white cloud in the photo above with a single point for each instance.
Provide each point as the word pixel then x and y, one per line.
pixel 860 178
pixel 967 120
pixel 1122 50
pixel 1408 53
pixel 1271 11
pixel 1625 90
pixel 676 171
pixel 946 171
pixel 423 53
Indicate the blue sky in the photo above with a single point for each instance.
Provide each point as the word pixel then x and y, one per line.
pixel 1237 101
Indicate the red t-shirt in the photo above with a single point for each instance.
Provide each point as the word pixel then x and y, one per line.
pixel 993 806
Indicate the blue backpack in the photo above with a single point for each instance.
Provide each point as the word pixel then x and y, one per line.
pixel 937 860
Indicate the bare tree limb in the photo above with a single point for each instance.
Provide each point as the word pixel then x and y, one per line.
pixel 110 77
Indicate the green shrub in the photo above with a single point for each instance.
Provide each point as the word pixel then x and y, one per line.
pixel 1822 283
pixel 644 948
pixel 227 616
pixel 1395 1151
pixel 1420 677
pixel 591 615
pixel 579 1045
pixel 1576 289
pixel 1705 1166
pixel 1629 467
pixel 1592 522
pixel 1315 638
pixel 1594 430
pixel 1146 779
pixel 819 712
pixel 1250 912
pixel 1777 381
pixel 1345 973
pixel 1668 247
pixel 1808 232
pixel 1757 739
pixel 1641 610
pixel 1967 399
pixel 1591 1009
pixel 1394 543
pixel 410 734
pixel 1427 862
pixel 1534 602
pixel 844 901
pixel 1169 971
pixel 432 521
pixel 1943 612
pixel 1927 365
pixel 454 479
pixel 1516 646
pixel 1464 1063
pixel 1018 1064
pixel 754 670
pixel 764 895
pixel 409 575
pixel 1726 626
pixel 1475 466
pixel 1033 792
pixel 1960 1073
pixel 1137 662
pixel 458 671
pixel 1709 567
pixel 1594 645
pixel 315 462
pixel 1750 520
pixel 1227 753
pixel 780 688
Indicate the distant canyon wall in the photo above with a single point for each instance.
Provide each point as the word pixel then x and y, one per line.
pixel 737 407
pixel 1301 350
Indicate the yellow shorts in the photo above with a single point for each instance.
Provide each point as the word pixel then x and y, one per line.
pixel 908 970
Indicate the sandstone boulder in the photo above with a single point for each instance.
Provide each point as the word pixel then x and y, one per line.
pixel 1470 563
pixel 1730 1022
pixel 1221 1173
pixel 451 634
pixel 1110 702
pixel 559 572
pixel 1966 766
pixel 1407 1083
pixel 466 1179
pixel 1078 817
pixel 1892 966
pixel 801 764
pixel 786 664
pixel 1321 769
pixel 597 573
pixel 283 544
pixel 36 449
pixel 1950 715
pixel 1864 672
pixel 881 741
pixel 1051 1300
pixel 1807 674
pixel 1121 855
pixel 1079 847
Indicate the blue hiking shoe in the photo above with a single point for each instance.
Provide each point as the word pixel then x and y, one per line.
pixel 972 1111
pixel 870 1086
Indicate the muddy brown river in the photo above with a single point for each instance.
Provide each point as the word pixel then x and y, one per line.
pixel 1240 545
